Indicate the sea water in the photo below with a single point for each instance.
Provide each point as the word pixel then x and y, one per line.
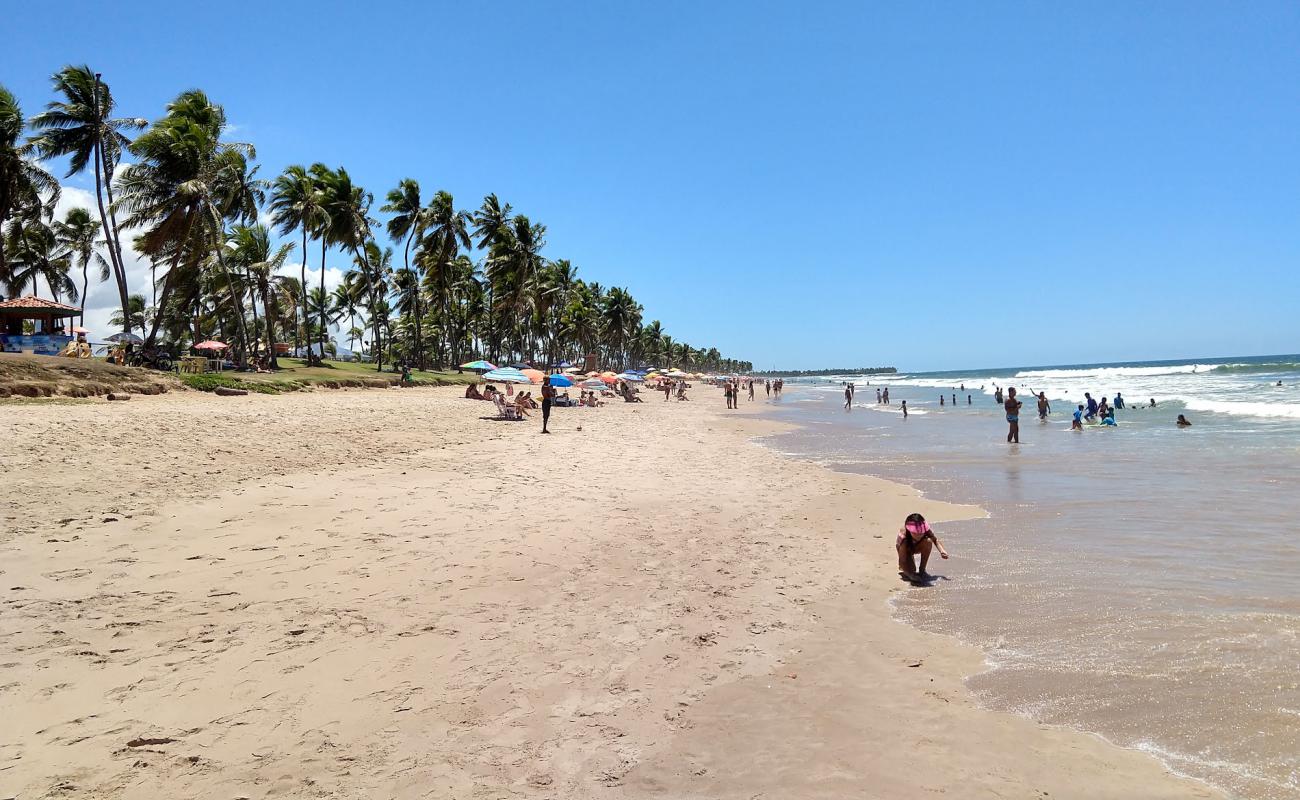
pixel 1141 582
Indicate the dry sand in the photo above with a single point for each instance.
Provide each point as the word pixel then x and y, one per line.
pixel 384 594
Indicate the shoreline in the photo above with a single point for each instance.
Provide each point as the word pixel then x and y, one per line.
pixel 620 649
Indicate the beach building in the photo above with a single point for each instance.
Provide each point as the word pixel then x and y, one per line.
pixel 48 336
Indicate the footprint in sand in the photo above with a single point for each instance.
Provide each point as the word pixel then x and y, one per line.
pixel 67 574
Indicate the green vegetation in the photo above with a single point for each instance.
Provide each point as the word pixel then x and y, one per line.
pixel 211 381
pixel 467 284
pixel 296 374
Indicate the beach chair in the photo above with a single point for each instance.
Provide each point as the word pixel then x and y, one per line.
pixel 506 410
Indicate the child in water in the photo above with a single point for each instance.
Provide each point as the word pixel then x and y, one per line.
pixel 916 538
pixel 1077 425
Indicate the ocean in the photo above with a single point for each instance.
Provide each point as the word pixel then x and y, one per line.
pixel 1141 582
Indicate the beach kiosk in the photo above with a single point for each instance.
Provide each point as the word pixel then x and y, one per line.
pixel 47 338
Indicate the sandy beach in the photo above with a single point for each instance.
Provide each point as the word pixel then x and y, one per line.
pixel 387 594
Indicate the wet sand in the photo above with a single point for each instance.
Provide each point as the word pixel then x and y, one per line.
pixel 385 593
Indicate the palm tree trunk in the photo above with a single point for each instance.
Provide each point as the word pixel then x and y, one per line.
pixel 270 324
pixel 85 283
pixel 359 253
pixel 110 231
pixel 306 312
pixel 324 302
pixel 238 298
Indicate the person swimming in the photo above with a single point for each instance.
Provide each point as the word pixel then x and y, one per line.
pixel 1182 422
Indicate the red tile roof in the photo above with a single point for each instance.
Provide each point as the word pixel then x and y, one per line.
pixel 38 304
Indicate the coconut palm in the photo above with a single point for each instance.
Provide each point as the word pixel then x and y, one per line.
pixel 78 236
pixel 297 204
pixel 24 186
pixel 409 216
pixel 36 256
pixel 136 316
pixel 251 249
pixel 348 206
pixel 181 190
pixel 81 126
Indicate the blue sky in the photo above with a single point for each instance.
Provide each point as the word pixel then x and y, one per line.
pixel 930 185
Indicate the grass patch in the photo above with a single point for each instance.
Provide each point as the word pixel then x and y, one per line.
pixel 209 382
pixel 295 374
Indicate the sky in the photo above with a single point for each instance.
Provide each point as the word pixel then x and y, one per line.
pixel 929 185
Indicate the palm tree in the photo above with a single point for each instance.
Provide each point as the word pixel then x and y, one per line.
pixel 36 257
pixel 186 183
pixel 81 126
pixel 347 298
pixel 447 231
pixel 136 316
pixel 78 236
pixel 251 249
pixel 297 204
pixel 22 181
pixel 348 206
pixel 408 215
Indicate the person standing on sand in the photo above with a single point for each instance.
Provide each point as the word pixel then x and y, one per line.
pixel 904 409
pixel 1012 406
pixel 751 391
pixel 767 387
pixel 726 392
pixel 916 538
pixel 548 398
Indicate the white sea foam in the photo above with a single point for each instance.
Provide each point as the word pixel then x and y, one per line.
pixel 1113 373
pixel 1243 408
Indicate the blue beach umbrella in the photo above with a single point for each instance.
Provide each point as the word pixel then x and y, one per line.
pixel 561 381
pixel 631 377
pixel 507 375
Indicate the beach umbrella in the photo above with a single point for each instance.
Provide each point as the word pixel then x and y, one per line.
pixel 534 375
pixel 563 365
pixel 574 370
pixel 593 374
pixel 79 329
pixel 520 365
pixel 124 337
pixel 507 375
pixel 561 381
pixel 678 374
pixel 593 383
pixel 211 345
pixel 480 364
pixel 607 379
pixel 631 377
